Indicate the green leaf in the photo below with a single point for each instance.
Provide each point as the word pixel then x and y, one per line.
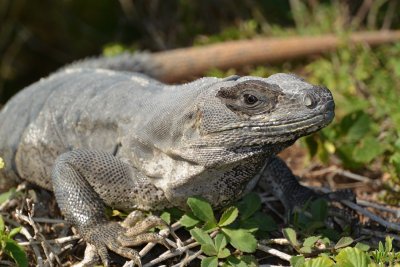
pixel 249 260
pixel 166 216
pixel 223 253
pixel 209 249
pixel 291 236
pixel 344 242
pixel 249 205
pixel 209 262
pixel 220 241
pixel 250 225
pixel 380 246
pixel 345 152
pixel 242 261
pixel 388 243
pixel 310 241
pixel 189 220
pixel 297 261
pixel 175 213
pixel 200 236
pixel 326 241
pixel 241 239
pixel 229 215
pixel 322 261
pixel 113 49
pixel 16 252
pixel 6 195
pixel 2 226
pixel 352 257
pixel 201 209
pixel 14 231
pixel 358 124
pixel 305 250
pixel 117 213
pixel 209 226
pixel 264 222
pixel 368 149
pixel 319 209
pixel 362 246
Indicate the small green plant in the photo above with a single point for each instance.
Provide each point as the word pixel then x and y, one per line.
pixel 311 217
pixel 236 228
pixel 10 247
pixel 340 254
pixel 385 254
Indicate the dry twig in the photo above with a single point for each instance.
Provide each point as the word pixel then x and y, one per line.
pixel 274 252
pixel 381 221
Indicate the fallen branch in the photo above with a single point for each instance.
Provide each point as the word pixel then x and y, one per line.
pixel 381 221
pixel 178 64
pixel 379 207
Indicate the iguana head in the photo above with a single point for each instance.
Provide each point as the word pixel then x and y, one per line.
pixel 254 111
pixel 252 114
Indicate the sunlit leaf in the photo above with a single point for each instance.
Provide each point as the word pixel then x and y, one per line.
pixel 352 257
pixel 291 236
pixel 229 215
pixel 200 236
pixel 241 239
pixel 209 262
pixel 344 242
pixel 201 209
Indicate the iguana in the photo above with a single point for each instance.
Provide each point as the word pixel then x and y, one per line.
pixel 98 135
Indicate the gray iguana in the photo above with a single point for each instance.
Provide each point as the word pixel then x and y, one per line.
pixel 99 135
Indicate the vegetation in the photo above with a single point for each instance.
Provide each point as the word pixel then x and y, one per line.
pixel 230 239
pixel 10 247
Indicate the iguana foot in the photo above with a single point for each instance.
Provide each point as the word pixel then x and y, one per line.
pixel 280 180
pixel 345 194
pixel 119 237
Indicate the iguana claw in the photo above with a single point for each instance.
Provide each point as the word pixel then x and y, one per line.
pixel 117 238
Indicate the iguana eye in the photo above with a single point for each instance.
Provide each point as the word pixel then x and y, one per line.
pixel 250 99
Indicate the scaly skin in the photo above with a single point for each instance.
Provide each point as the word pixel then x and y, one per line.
pixel 100 137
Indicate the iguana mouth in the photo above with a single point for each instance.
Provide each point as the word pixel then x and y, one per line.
pixel 303 125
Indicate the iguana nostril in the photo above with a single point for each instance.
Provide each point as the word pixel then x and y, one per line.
pixel 309 101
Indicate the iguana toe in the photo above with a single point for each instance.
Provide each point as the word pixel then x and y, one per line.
pixel 345 194
pixel 112 236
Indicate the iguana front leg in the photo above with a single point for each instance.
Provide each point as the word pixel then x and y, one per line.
pixel 278 178
pixel 84 182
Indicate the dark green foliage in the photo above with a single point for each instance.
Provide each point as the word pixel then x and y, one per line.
pixel 10 247
pixel 232 228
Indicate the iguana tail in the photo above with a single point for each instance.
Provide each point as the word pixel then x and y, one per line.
pixel 141 62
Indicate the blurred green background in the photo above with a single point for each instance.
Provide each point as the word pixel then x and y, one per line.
pixel 37 37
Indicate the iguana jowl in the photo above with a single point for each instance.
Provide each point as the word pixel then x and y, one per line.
pixel 99 137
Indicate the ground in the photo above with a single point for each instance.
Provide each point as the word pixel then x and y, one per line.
pixel 52 239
